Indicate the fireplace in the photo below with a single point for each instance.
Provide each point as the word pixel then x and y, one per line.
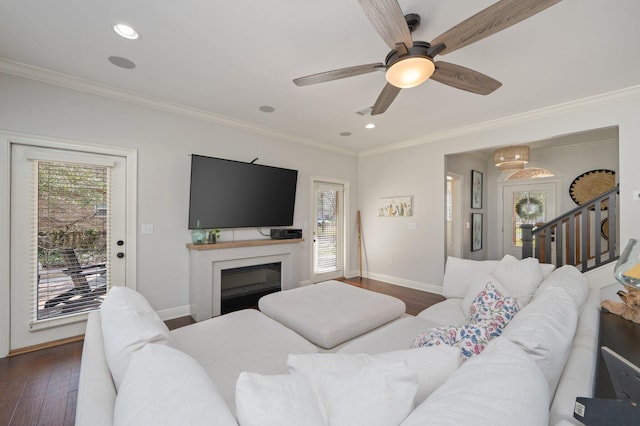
pixel 209 261
pixel 241 287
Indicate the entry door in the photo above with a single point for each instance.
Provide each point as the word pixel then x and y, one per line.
pixel 536 203
pixel 67 239
pixel 328 232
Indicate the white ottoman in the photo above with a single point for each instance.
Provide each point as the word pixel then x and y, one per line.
pixel 331 312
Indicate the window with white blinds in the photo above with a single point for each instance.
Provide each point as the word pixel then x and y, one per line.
pixel 327 231
pixel 71 226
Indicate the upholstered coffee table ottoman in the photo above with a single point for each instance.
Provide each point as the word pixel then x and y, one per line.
pixel 331 312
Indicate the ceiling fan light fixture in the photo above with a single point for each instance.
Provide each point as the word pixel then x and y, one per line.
pixel 410 71
pixel 511 157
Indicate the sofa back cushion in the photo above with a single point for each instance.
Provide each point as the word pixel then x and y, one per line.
pixel 571 280
pixel 460 273
pixel 501 386
pixel 545 329
pixel 128 323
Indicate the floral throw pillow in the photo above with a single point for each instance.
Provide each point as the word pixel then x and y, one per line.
pixel 470 338
pixel 490 312
pixel 493 310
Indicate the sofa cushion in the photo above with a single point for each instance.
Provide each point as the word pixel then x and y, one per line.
pixel 520 278
pixel 545 329
pixel 377 394
pixel 459 273
pixel 245 340
pixel 164 386
pixel 396 335
pixel 128 323
pixel 447 312
pixel 571 280
pixel 431 364
pixel 501 386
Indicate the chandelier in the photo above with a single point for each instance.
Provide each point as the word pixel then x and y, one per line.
pixel 511 157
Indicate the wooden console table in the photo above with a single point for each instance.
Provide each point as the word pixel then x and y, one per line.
pixel 621 336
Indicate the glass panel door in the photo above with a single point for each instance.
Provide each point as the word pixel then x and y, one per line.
pixel 327 234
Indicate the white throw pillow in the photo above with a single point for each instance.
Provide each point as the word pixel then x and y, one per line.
pixel 276 400
pixel 376 395
pixel 165 386
pixel 501 386
pixel 128 323
pixel 521 278
pixel 433 365
pixel 379 394
pixel 545 329
pixel 460 273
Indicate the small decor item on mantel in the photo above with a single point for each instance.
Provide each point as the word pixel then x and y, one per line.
pixel 213 236
pixel 198 235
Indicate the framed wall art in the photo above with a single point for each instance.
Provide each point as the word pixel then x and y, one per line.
pixel 476 231
pixel 476 189
pixel 395 206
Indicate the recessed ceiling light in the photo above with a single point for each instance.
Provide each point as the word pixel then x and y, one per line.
pixel 266 108
pixel 121 62
pixel 370 126
pixel 126 31
pixel 345 134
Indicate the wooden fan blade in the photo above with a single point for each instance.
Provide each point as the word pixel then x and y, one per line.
pixel 489 21
pixel 387 96
pixel 338 74
pixel 464 78
pixel 387 18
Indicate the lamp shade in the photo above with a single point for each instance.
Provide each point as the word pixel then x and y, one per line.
pixel 410 72
pixel 511 157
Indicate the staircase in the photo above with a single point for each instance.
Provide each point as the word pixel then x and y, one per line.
pixel 585 237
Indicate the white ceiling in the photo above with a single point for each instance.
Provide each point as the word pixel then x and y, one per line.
pixel 230 57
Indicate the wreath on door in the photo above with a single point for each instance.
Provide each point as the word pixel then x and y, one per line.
pixel 528 208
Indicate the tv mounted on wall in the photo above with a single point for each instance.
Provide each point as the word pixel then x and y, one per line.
pixel 233 194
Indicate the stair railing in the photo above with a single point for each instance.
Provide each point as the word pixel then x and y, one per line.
pixel 576 237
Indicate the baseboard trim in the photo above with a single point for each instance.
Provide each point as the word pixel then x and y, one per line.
pixel 177 312
pixel 416 285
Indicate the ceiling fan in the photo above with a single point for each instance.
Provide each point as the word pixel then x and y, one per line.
pixel 410 63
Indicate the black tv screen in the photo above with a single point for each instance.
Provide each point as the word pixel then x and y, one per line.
pixel 233 194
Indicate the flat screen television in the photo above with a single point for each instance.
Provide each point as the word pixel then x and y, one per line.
pixel 233 194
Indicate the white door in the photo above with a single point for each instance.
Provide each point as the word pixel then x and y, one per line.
pixel 67 239
pixel 525 203
pixel 328 231
pixel 454 215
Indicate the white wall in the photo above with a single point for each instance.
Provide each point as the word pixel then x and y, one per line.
pixel 418 169
pixel 164 142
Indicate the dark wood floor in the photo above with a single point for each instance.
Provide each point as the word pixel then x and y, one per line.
pixel 41 387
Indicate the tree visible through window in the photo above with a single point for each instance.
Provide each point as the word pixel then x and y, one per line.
pixel 72 224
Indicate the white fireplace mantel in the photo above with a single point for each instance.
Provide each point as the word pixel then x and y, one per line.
pixel 207 261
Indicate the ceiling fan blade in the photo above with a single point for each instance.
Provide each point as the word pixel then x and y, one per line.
pixel 489 21
pixel 464 78
pixel 387 96
pixel 338 74
pixel 387 18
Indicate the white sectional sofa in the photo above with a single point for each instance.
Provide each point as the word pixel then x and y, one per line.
pixel 247 368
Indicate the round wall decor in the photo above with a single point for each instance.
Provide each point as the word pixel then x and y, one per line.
pixel 591 184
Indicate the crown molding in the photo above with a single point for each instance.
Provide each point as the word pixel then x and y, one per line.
pixel 75 83
pixel 575 105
